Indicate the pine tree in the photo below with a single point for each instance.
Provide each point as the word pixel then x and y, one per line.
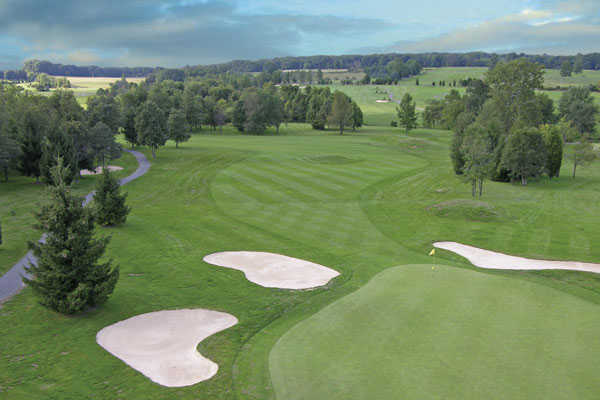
pixel 68 276
pixel 554 149
pixel 109 204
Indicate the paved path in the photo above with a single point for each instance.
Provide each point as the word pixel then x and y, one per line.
pixel 11 282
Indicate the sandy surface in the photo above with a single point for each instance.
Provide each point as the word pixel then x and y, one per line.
pixel 99 170
pixel 162 344
pixel 382 101
pixel 490 259
pixel 274 270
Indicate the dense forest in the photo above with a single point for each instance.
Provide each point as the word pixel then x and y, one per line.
pixel 375 65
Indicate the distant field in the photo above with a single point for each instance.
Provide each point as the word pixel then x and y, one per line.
pixel 83 87
pixel 382 113
pixel 587 77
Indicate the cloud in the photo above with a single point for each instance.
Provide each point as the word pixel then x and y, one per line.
pixel 547 31
pixel 171 33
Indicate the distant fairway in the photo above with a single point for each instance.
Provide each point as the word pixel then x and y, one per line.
pixel 432 332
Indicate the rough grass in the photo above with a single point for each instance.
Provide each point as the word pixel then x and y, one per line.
pixel 18 199
pixel 466 209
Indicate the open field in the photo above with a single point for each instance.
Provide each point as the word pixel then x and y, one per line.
pixel 83 87
pixel 359 203
pixel 382 113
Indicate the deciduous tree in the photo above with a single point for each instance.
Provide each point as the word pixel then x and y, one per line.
pixel 407 114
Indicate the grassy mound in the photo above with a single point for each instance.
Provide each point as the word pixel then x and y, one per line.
pixel 466 209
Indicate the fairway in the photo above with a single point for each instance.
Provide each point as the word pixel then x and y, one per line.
pixel 437 332
pixel 358 203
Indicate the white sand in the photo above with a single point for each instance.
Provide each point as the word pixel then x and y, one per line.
pixel 382 101
pixel 99 170
pixel 162 344
pixel 274 270
pixel 490 259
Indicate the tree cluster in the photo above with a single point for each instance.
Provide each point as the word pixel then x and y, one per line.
pixel 35 130
pixel 504 130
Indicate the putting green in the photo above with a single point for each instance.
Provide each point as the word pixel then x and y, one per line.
pixel 414 332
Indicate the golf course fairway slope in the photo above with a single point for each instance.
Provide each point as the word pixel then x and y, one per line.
pixel 437 332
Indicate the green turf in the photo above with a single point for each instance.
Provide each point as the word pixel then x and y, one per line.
pixel 359 203
pixel 18 199
pixel 437 332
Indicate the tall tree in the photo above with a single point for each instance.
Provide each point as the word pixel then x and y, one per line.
pixel 58 145
pixel 150 125
pixel 566 69
pixel 103 108
pixel 407 114
pixel 578 64
pixel 357 116
pixel 109 204
pixel 477 148
pixel 524 154
pixel 32 131
pixel 577 106
pixel 582 153
pixel 513 89
pixel 341 111
pixel 554 149
pixel 68 276
pixel 103 143
pixel 177 126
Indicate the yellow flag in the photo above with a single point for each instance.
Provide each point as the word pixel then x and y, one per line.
pixel 432 252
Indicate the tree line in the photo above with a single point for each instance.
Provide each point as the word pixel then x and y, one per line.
pixel 376 64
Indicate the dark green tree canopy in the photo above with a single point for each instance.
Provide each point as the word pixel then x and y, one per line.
pixel 68 276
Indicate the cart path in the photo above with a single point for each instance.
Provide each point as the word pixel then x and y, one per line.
pixel 11 282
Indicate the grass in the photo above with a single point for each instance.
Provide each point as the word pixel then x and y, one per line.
pixel 359 203
pixel 383 113
pixel 18 199
pixel 436 340
pixel 82 87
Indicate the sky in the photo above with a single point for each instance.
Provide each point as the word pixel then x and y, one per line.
pixel 174 33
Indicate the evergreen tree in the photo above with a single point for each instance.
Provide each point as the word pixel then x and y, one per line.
pixel 109 204
pixel 103 143
pixel 31 133
pixel 58 144
pixel 406 113
pixel 176 124
pixel 554 149
pixel 239 116
pixel 68 276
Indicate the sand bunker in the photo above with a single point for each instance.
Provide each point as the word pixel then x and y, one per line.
pixel 274 270
pixel 382 101
pixel 99 170
pixel 162 344
pixel 490 259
